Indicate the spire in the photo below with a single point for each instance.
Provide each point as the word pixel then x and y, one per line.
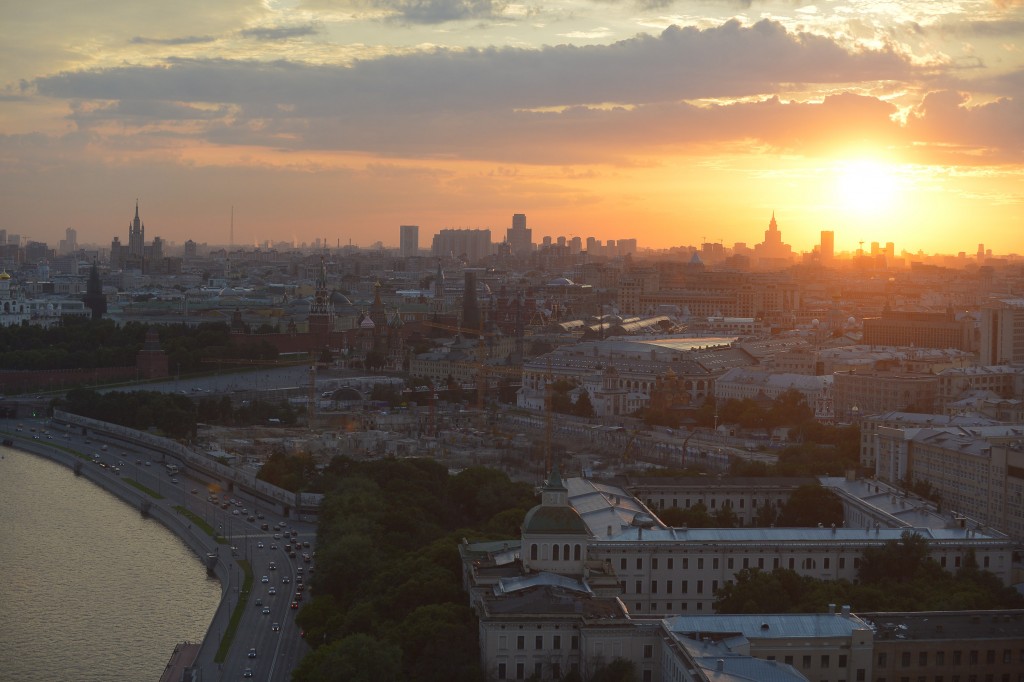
pixel 555 479
pixel 773 225
pixel 136 209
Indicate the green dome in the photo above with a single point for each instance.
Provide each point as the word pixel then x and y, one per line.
pixel 549 520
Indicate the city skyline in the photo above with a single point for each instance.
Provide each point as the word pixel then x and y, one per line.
pixel 672 123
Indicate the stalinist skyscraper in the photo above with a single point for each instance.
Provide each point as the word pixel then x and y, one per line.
pixel 136 235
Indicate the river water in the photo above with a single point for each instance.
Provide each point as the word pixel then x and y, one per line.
pixel 89 590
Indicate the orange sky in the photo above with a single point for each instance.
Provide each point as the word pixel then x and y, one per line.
pixel 667 122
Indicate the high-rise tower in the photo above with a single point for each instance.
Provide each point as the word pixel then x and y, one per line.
pixel 519 237
pixel 136 235
pixel 409 240
pixel 828 246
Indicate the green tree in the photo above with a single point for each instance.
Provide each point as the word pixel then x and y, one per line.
pixel 355 658
pixel 618 670
pixel 811 505
pixel 583 407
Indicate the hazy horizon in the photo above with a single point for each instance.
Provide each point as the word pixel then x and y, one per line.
pixel 669 122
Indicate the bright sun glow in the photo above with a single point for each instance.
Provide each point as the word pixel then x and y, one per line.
pixel 866 187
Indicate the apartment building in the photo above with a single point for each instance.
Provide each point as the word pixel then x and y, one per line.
pixel 977 471
pixel 858 394
pixel 871 423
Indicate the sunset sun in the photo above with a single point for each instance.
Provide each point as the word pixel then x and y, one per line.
pixel 866 187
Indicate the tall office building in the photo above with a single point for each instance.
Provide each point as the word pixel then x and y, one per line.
pixel 828 245
pixel 1002 333
pixel 409 240
pixel 69 244
pixel 470 245
pixel 519 237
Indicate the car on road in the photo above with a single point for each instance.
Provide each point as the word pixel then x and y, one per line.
pixel 266 610
pixel 273 546
pixel 148 463
pixel 259 602
pixel 259 545
pixel 265 579
pixel 174 481
pixel 272 591
pixel 252 652
pixel 272 566
pixel 275 626
pixel 285 580
pixel 295 604
pixel 247 673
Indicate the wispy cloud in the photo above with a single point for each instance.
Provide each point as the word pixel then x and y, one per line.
pixel 183 40
pixel 280 32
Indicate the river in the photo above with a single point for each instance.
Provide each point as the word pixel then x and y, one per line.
pixel 89 590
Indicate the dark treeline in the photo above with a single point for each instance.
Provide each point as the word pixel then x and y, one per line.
pixel 171 414
pixel 388 601
pixel 899 576
pixel 81 343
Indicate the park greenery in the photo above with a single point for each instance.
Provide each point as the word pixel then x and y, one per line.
pixel 388 601
pixel 898 576
pixel 169 414
pixel 79 343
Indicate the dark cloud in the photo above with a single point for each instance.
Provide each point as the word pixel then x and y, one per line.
pixel 947 121
pixel 183 40
pixel 420 11
pixel 681 63
pixel 440 11
pixel 554 105
pixel 280 32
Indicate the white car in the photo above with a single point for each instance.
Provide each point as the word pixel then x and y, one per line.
pixel 259 545
pixel 265 579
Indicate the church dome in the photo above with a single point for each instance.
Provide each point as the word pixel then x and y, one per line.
pixel 4 275
pixel 548 520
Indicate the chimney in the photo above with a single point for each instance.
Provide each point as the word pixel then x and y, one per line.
pixel 832 608
pixel 846 609
pixel 720 665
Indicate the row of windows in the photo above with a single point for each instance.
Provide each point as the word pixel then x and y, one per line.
pixel 538 642
pixel 957 657
pixel 538 671
pixel 957 678
pixel 712 503
pixel 824 662
pixel 730 563
pixel 556 553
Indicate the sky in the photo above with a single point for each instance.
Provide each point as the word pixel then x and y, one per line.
pixel 671 122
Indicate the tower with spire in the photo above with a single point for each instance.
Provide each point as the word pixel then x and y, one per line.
pixel 136 235
pixel 321 310
pixel 773 252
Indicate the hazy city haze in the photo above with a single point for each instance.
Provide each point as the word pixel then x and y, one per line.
pixel 672 122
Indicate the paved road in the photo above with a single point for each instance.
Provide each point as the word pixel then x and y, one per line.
pixel 278 652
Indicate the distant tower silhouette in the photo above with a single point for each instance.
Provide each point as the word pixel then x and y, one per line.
pixel 136 235
pixel 94 298
pixel 828 245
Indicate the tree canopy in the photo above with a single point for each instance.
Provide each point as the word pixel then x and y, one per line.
pixel 899 576
pixel 404 520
